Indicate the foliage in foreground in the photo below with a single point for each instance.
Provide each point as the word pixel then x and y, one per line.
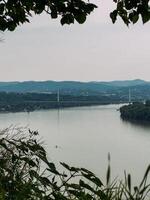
pixel 14 13
pixel 131 11
pixel 26 174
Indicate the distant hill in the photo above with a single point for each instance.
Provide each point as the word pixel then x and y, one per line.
pixel 140 89
pixel 53 86
pixel 128 83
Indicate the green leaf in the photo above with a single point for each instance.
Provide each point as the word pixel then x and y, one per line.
pixel 52 168
pixel 90 7
pixel 45 181
pixel 59 196
pixel 2 5
pixel 125 19
pixel 30 162
pixel 120 5
pixel 73 185
pixel 65 165
pixel 80 18
pixel 145 17
pixel 145 176
pixel 135 18
pixel 85 185
pixel 113 16
pixel 108 175
pixel 129 182
pixel 93 179
pixel 53 12
pixel 34 174
pixel 67 19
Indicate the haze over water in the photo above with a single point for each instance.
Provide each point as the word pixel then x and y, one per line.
pixel 84 136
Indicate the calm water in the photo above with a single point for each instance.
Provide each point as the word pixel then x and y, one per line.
pixel 84 136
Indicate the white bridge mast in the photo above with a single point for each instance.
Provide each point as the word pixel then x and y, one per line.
pixel 129 96
pixel 58 96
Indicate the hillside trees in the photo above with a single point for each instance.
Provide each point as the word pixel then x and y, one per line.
pixel 16 12
pixel 137 111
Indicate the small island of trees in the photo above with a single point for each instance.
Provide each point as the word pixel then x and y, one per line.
pixel 136 111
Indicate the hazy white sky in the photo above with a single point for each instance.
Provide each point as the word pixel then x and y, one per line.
pixel 95 51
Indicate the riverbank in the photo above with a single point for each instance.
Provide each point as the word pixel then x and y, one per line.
pixel 28 102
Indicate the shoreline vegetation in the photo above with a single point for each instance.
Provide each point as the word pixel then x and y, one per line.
pixel 136 112
pixel 28 102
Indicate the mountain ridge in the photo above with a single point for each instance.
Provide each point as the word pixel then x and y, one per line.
pixel 50 86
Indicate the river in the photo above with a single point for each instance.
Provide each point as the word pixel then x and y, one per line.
pixel 83 137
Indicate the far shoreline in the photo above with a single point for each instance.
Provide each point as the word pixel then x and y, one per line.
pixel 61 107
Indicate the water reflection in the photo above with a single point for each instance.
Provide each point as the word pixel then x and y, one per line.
pixel 140 124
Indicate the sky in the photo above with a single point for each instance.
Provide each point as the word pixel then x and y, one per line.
pixel 94 51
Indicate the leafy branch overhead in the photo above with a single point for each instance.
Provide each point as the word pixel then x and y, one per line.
pixel 16 12
pixel 131 10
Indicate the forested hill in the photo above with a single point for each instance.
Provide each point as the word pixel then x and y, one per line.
pixel 68 86
pixel 139 89
pixel 53 86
